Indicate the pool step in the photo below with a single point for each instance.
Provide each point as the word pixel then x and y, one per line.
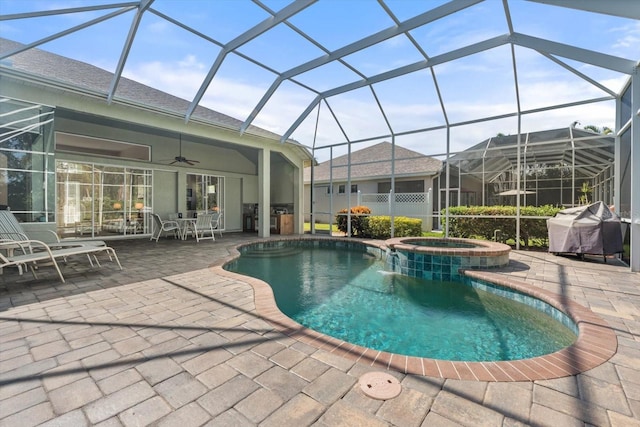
pixel 275 252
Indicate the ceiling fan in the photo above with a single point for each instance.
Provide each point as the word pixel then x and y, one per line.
pixel 181 159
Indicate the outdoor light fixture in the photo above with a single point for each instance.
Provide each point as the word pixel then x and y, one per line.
pixel 117 205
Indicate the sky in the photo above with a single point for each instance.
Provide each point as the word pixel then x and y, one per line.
pixel 167 57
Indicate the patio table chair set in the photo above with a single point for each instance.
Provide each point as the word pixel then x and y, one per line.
pixel 28 254
pixel 202 227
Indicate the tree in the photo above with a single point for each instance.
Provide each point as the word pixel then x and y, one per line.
pixel 593 128
pixel 585 190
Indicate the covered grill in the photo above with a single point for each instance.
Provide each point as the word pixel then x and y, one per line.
pixel 591 229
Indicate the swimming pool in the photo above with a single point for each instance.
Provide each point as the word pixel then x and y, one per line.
pixel 595 344
pixel 348 294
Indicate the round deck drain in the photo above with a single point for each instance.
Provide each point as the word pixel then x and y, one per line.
pixel 380 385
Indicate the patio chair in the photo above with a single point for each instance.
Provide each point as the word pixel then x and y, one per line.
pixel 216 222
pixel 11 229
pixel 201 226
pixel 34 251
pixel 161 226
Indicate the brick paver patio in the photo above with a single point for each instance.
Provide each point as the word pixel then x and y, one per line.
pixel 168 341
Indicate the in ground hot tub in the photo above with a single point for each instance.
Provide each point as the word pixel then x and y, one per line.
pixel 435 258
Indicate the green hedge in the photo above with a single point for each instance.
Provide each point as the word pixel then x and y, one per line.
pixel 379 227
pixel 530 229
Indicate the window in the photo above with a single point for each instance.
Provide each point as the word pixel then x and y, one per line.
pixel 402 186
pixel 27 168
pixel 341 189
pixel 354 188
pixel 101 147
pixel 101 200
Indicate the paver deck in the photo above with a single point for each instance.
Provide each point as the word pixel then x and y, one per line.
pixel 169 341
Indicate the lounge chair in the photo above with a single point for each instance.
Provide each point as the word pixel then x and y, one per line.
pixel 34 251
pixel 11 229
pixel 164 226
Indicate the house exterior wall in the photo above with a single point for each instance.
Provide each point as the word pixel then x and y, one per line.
pixel 169 181
pixel 169 193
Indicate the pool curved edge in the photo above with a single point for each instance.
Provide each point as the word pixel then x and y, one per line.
pixel 596 342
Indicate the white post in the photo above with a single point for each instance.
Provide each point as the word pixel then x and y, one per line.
pixel 635 172
pixel 264 192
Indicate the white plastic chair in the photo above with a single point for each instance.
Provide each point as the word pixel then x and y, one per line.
pixel 163 226
pixel 203 225
pixel 216 222
pixel 11 229
pixel 34 251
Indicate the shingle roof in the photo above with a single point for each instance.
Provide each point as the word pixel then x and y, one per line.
pixel 80 74
pixel 375 162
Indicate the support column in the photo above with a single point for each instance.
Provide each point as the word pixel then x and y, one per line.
pixel 264 192
pixel 298 198
pixel 635 171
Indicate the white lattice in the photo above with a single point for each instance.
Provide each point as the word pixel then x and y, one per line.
pixel 374 198
pixel 410 198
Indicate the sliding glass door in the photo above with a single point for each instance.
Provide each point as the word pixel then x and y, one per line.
pixel 205 193
pixel 97 200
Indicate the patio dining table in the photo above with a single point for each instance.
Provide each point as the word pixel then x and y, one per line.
pixel 184 224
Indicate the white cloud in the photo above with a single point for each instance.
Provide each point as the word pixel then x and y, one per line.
pixel 178 79
pixel 629 38
pixel 159 27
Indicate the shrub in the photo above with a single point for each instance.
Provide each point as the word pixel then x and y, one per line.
pixel 359 220
pixel 530 228
pixel 379 227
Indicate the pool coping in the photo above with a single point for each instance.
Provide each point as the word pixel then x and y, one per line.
pixel 596 342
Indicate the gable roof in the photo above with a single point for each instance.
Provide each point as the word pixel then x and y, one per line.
pixel 58 70
pixel 375 163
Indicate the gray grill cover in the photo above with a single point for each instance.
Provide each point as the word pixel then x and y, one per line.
pixel 591 229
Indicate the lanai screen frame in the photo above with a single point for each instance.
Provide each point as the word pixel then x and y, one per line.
pixel 588 155
pixel 630 215
pixel 551 50
pixel 547 48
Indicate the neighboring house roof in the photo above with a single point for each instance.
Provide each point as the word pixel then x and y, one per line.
pixel 375 163
pixel 56 69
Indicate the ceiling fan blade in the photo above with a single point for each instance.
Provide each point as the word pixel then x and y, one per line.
pixel 175 161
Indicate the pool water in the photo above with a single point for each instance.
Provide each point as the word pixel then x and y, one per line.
pixel 436 243
pixel 349 295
